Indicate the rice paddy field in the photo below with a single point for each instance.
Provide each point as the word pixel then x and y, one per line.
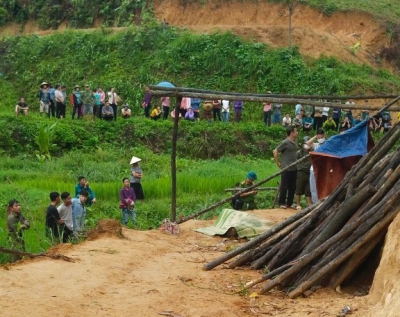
pixel 200 184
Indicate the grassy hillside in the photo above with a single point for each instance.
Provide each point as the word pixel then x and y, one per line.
pixel 152 53
pixel 50 14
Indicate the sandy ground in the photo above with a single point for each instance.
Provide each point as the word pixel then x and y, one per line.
pixel 151 273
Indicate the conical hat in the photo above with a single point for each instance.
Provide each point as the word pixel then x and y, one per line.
pixel 134 160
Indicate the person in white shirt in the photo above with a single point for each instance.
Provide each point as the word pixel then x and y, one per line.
pixel 112 99
pixel 225 110
pixel 60 102
pixel 325 113
pixel 286 121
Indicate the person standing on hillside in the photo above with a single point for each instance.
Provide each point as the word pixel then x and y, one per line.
pixel 165 103
pixel 217 109
pixel 76 101
pixel 238 108
pixel 146 104
pixel 112 99
pixel 267 113
pixel 96 103
pixel 88 100
pixel 59 99
pixel 287 149
pixel 16 223
pixel 277 113
pixel 102 95
pixel 225 110
pixel 44 99
pixel 52 92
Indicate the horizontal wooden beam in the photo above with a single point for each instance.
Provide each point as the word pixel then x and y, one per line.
pixel 267 98
pixel 312 97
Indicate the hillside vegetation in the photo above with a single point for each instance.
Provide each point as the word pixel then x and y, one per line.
pixel 78 14
pixel 152 53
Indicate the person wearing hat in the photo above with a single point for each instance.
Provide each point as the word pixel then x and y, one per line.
pixel 303 175
pixel 44 98
pixel 76 101
pixel 246 201
pixel 189 114
pixel 136 177
pixel 126 112
pixel 88 101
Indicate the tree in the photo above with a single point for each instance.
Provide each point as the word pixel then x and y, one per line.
pixel 291 6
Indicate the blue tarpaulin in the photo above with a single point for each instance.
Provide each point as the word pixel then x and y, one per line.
pixel 333 159
pixel 352 142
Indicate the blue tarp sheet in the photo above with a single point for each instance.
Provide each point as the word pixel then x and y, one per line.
pixel 333 159
pixel 352 142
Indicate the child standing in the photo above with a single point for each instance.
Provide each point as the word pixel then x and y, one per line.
pixel 127 202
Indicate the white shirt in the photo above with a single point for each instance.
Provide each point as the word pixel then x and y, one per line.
pixel 112 98
pixel 287 121
pixel 225 105
pixel 59 96
pixel 66 215
pixel 325 111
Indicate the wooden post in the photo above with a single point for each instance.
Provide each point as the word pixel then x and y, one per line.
pixel 173 159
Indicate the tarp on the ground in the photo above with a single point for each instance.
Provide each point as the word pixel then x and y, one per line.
pixel 333 159
pixel 245 224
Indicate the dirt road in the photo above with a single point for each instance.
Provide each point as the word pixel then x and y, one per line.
pixel 151 273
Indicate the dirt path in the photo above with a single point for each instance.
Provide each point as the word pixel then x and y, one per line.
pixel 148 273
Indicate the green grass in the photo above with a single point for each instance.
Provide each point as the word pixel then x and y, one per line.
pixel 387 10
pixel 200 184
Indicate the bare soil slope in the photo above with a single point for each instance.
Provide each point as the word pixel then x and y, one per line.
pixel 350 36
pixel 150 273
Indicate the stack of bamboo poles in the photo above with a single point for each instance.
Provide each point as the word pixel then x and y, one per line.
pixel 325 243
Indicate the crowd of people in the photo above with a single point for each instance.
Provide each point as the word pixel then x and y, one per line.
pixel 95 103
pixel 87 103
pixel 310 118
pixel 66 214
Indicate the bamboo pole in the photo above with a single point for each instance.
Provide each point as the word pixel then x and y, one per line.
pixel 196 214
pixel 173 160
pixel 268 98
pixel 328 97
pixel 355 261
pixel 257 188
pixel 376 212
pixel 332 265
